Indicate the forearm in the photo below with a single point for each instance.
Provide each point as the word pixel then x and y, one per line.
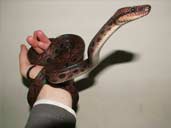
pixel 53 108
pixel 55 94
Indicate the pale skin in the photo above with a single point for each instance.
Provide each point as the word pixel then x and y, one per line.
pixel 47 92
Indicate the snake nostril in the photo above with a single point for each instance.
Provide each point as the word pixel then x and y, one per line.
pixel 147 8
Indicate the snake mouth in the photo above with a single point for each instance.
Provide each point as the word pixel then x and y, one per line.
pixel 127 14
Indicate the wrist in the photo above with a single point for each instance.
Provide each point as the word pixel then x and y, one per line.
pixel 55 94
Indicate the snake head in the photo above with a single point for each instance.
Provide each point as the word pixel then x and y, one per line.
pixel 128 14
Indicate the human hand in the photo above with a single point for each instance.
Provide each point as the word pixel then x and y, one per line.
pixel 40 42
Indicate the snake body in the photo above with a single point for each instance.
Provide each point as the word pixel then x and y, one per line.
pixel 63 60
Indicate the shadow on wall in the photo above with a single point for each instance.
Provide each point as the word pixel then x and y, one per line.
pixel 117 57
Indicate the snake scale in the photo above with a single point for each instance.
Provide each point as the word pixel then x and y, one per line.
pixel 64 59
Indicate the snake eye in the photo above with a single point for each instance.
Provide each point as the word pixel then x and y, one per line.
pixel 61 76
pixel 133 9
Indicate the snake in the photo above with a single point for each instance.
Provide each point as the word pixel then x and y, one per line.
pixel 63 61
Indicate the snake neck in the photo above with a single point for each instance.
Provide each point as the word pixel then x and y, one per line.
pixel 121 17
pixel 99 40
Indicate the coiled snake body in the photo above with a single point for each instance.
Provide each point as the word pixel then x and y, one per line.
pixel 63 60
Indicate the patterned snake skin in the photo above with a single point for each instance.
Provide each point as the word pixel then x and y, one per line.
pixel 63 60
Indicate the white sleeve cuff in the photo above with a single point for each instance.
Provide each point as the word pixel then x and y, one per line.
pixel 51 102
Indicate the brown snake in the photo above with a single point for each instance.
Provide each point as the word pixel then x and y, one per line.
pixel 63 60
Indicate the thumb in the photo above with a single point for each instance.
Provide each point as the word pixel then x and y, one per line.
pixel 24 63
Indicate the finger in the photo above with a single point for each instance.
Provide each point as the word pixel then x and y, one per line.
pixel 43 45
pixel 23 60
pixel 31 41
pixel 34 43
pixel 41 36
pixel 42 40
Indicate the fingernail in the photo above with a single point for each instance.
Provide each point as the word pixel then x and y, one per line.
pixel 39 31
